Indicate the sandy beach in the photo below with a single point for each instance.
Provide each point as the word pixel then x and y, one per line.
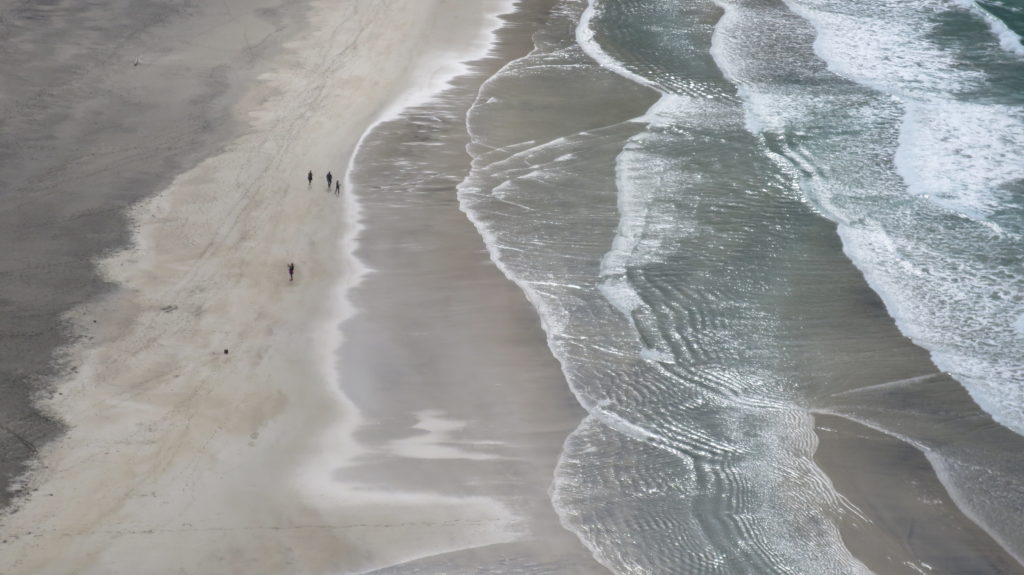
pixel 207 432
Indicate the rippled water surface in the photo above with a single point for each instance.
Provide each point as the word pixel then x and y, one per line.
pixel 693 194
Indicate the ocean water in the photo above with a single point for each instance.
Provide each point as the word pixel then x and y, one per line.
pixel 721 209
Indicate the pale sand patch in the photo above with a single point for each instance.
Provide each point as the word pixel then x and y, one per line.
pixel 183 458
pixel 439 439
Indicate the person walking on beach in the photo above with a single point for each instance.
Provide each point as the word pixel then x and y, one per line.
pixel 337 188
pixel 329 177
pixel 291 271
pixel 309 177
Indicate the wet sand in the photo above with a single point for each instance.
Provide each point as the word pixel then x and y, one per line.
pixel 459 396
pixel 906 511
pixel 901 519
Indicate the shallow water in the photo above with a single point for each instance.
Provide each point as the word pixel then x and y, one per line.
pixel 682 197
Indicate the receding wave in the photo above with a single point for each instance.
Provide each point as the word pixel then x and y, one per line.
pixel 1004 18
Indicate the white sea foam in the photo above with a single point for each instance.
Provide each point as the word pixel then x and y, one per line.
pixel 886 46
pixel 585 37
pixel 657 355
pixel 614 421
pixel 1008 39
pixel 961 155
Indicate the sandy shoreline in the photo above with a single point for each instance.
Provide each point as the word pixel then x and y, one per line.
pixel 188 453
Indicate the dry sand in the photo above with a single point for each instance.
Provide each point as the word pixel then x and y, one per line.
pixel 206 423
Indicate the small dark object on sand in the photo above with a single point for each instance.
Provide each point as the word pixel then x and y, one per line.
pixel 225 352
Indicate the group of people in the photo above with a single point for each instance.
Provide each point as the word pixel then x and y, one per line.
pixel 330 178
pixel 337 191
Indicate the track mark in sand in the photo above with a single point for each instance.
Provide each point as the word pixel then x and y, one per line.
pixel 31 446
pixel 189 528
